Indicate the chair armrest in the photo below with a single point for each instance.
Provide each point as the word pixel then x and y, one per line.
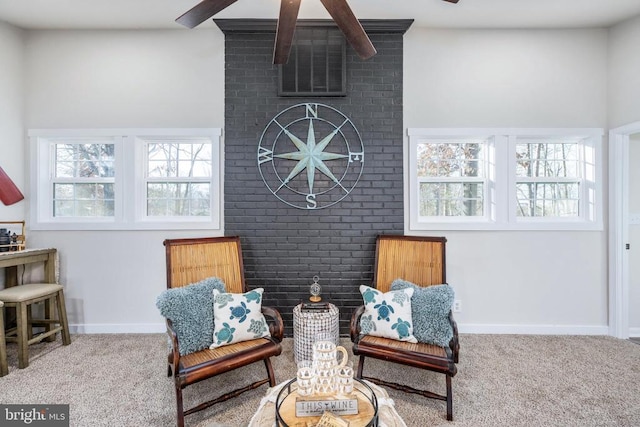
pixel 175 349
pixel 276 326
pixel 355 323
pixel 454 343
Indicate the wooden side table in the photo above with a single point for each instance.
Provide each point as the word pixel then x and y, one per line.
pixel 308 324
pixel 11 260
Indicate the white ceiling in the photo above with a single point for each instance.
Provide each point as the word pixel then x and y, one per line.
pixel 143 14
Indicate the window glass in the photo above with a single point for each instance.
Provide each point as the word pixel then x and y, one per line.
pixel 451 178
pixel 83 184
pixel 548 178
pixel 176 170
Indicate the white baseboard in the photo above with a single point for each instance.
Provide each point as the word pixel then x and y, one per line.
pixel 533 329
pixel 153 328
pixel 115 328
pixel 634 332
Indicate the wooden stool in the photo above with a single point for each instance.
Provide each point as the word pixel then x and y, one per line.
pixel 21 297
pixel 4 368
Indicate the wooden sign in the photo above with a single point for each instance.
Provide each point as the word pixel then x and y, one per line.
pixel 310 406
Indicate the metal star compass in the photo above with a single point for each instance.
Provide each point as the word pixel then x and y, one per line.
pixel 310 156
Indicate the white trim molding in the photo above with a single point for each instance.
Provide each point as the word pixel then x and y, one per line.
pixel 130 163
pixel 533 329
pixel 117 328
pixel 619 229
pixel 500 179
pixel 465 328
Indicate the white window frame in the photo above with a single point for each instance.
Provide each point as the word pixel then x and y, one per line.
pixel 500 191
pixel 488 142
pixel 130 164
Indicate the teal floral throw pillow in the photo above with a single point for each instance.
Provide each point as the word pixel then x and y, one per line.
pixel 430 307
pixel 387 315
pixel 238 317
pixel 190 309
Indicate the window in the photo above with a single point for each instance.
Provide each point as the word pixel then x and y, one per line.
pixel 178 177
pixel 504 179
pixel 451 178
pixel 548 178
pixel 126 179
pixel 83 178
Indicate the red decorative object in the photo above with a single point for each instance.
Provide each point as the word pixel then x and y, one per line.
pixel 9 193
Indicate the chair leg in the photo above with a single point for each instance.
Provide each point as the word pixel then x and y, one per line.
pixel 360 366
pixel 62 318
pixel 22 333
pixel 4 367
pixel 29 321
pixel 272 378
pixel 48 314
pixel 449 400
pixel 179 406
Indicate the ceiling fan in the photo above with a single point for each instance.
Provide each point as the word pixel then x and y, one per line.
pixel 338 9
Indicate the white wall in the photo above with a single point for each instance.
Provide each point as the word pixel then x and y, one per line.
pixel 538 282
pixel 170 78
pixel 551 282
pixel 102 79
pixel 624 73
pixel 12 155
pixel 634 235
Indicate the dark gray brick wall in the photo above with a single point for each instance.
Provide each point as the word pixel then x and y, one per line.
pixel 285 247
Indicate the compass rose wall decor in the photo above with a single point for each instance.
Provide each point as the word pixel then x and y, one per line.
pixel 310 156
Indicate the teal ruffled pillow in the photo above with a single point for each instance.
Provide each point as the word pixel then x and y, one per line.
pixel 430 308
pixel 190 309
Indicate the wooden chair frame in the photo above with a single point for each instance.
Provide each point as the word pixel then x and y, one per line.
pixel 420 260
pixel 54 320
pixel 4 367
pixel 191 260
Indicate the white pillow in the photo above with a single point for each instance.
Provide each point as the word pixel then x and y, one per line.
pixel 387 315
pixel 238 317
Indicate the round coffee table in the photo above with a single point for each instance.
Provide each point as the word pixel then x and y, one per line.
pixel 367 407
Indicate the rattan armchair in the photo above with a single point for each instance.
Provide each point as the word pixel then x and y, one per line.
pixel 191 260
pixel 420 260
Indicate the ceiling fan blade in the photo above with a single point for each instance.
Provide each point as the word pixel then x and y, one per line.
pixel 452 1
pixel 285 30
pixel 202 11
pixel 9 193
pixel 350 26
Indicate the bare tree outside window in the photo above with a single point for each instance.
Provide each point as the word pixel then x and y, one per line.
pixel 504 179
pixel 83 185
pixel 548 179
pixel 179 178
pixel 451 178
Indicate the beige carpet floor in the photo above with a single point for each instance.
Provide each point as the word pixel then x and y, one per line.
pixel 503 380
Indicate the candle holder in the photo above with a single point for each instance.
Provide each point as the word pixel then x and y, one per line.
pixel 315 290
